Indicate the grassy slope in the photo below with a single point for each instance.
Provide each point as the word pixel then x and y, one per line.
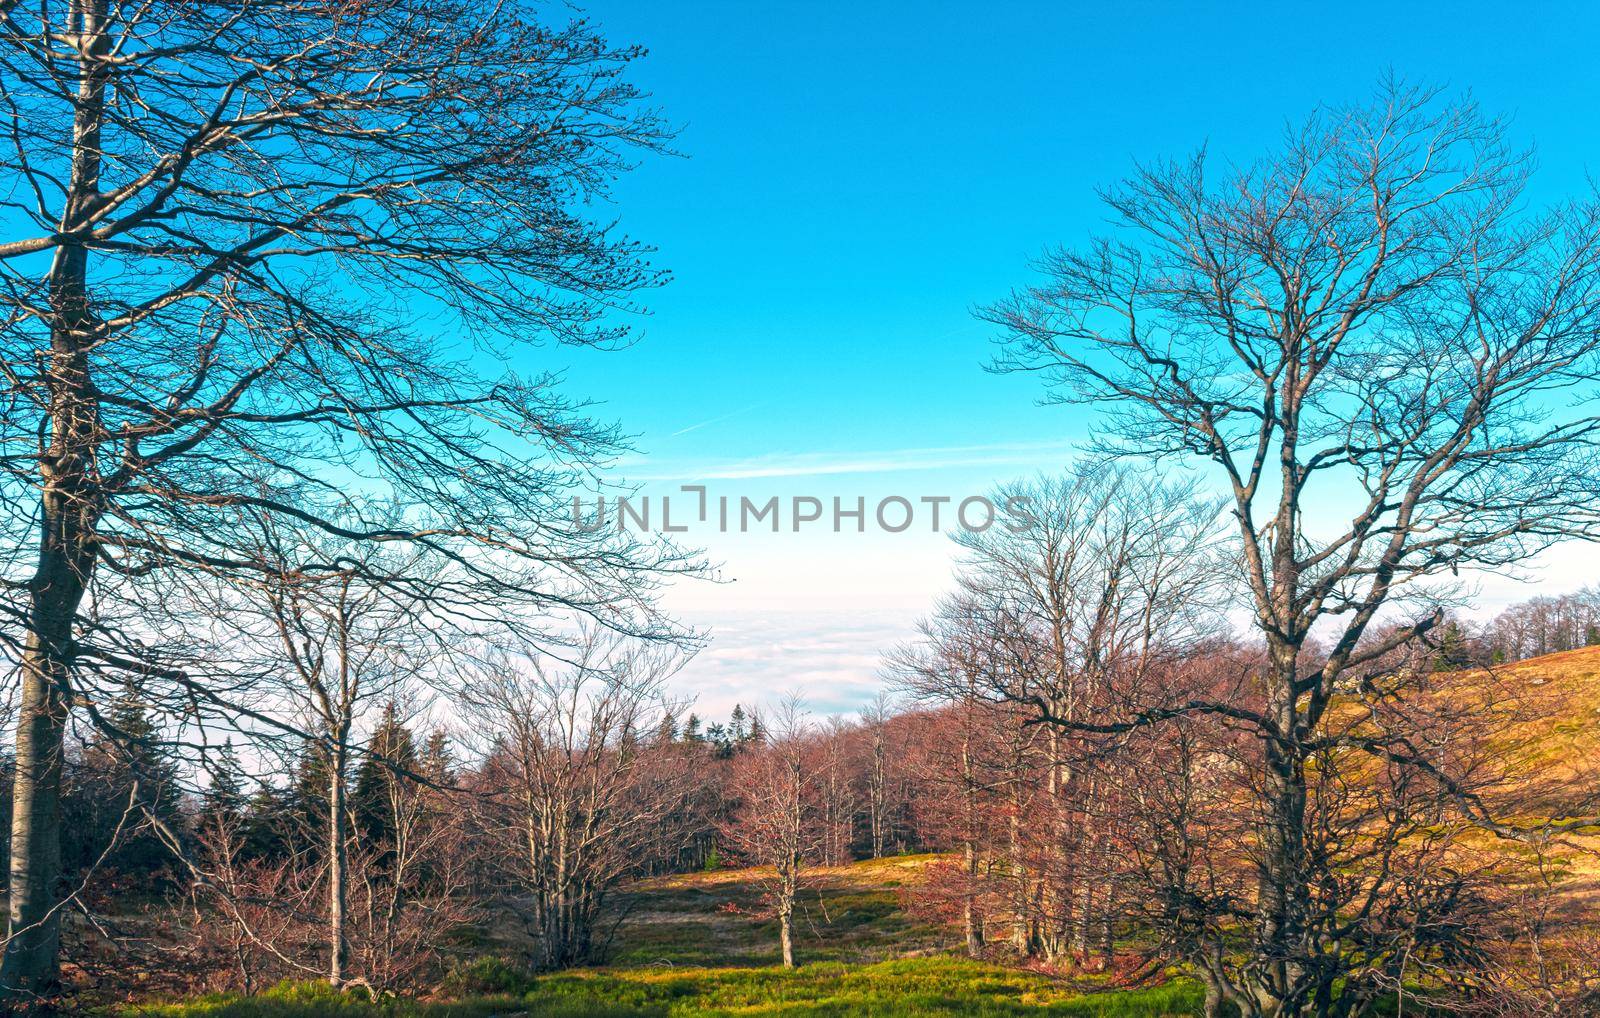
pixel 907 988
pixel 846 913
pixel 1556 746
pixel 681 951
pixel 1549 756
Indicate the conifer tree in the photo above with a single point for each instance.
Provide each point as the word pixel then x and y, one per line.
pixel 438 763
pixel 390 756
pixel 226 797
pixel 667 732
pixel 125 776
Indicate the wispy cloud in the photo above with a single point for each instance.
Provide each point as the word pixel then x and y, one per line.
pixel 715 420
pixel 813 464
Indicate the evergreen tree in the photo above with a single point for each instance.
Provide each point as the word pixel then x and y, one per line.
pixel 757 734
pixel 1452 653
pixel 226 797
pixel 137 741
pixel 438 764
pixel 305 808
pixel 667 733
pixel 691 729
pixel 391 753
pixel 124 774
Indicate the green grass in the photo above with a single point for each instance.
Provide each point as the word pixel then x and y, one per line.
pixel 846 914
pixel 907 988
pixel 832 924
pixel 681 952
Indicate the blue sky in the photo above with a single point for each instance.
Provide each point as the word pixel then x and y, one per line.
pixel 857 177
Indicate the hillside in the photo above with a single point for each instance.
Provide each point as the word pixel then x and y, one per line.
pixel 851 914
pixel 684 949
pixel 1564 690
pixel 689 944
pixel 1543 719
pixel 1549 750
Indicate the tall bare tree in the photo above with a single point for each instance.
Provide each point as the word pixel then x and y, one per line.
pixel 1112 577
pixel 272 257
pixel 342 639
pixel 581 796
pixel 952 668
pixel 880 806
pixel 1380 355
pixel 777 819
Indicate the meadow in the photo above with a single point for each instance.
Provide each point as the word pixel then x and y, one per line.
pixel 685 949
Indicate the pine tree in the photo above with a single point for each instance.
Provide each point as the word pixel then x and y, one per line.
pixel 717 735
pixel 757 734
pixel 226 797
pixel 691 729
pixel 126 775
pixel 1452 653
pixel 145 756
pixel 305 808
pixel 667 733
pixel 438 764
pixel 390 754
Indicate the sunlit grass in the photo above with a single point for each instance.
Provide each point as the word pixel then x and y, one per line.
pixel 682 956
pixel 907 988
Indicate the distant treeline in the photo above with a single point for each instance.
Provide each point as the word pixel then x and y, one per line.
pixel 1545 625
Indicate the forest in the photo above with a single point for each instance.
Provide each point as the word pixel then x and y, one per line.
pixel 319 700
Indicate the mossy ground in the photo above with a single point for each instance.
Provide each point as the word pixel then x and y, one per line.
pixel 687 947
pixel 845 913
pixel 928 987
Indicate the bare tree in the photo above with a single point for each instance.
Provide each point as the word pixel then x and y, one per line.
pixel 1543 625
pixel 581 797
pixel 1114 576
pixel 776 820
pixel 344 639
pixel 224 217
pixel 951 669
pixel 838 784
pixel 880 822
pixel 1368 318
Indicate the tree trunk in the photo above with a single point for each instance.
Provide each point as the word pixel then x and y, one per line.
pixel 878 785
pixel 1021 919
pixel 30 966
pixel 788 887
pixel 69 514
pixel 786 935
pixel 1054 908
pixel 1083 918
pixel 556 920
pixel 1284 895
pixel 969 904
pixel 338 943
